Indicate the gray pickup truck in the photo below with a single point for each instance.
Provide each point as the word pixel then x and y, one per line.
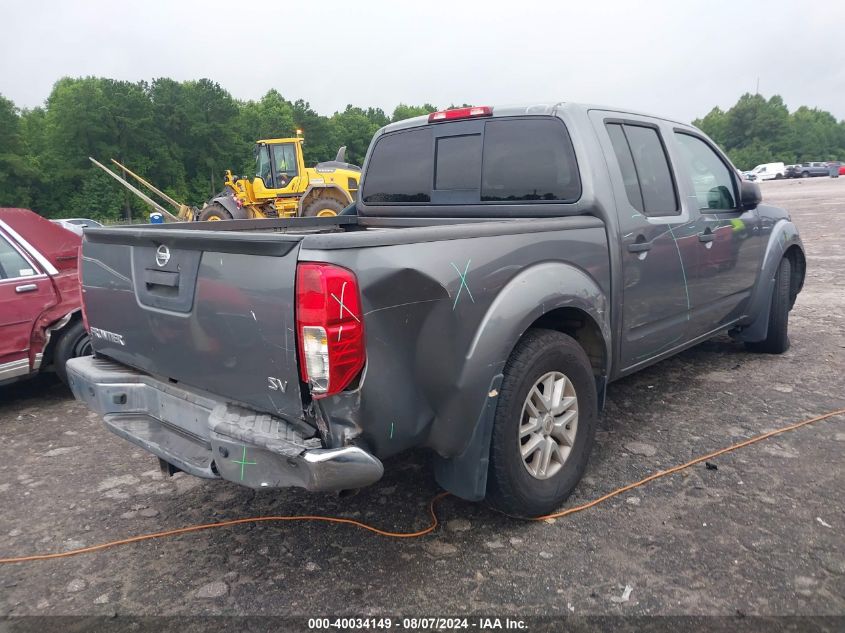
pixel 500 267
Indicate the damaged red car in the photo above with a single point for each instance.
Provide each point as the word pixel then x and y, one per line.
pixel 41 324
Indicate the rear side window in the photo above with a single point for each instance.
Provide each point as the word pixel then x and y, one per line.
pixel 645 168
pixel 401 168
pixel 12 265
pixel 499 160
pixel 626 165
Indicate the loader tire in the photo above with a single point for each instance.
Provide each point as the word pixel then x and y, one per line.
pixel 322 207
pixel 215 212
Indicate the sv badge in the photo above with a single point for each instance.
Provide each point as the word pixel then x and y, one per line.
pixel 277 384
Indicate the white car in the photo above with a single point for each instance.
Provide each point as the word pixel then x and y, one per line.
pixel 767 171
pixel 77 225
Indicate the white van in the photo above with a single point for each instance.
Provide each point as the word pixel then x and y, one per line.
pixel 768 171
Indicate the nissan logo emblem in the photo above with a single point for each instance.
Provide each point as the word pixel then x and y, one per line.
pixel 162 255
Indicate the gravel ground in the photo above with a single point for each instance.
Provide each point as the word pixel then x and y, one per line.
pixel 764 534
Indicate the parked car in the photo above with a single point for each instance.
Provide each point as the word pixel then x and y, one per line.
pixel 767 171
pixel 811 169
pixel 792 171
pixel 77 225
pixel 503 266
pixel 40 305
pixel 842 169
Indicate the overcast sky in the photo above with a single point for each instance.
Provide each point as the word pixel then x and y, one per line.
pixel 675 58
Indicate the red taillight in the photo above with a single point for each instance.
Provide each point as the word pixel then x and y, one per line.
pixel 460 113
pixel 329 327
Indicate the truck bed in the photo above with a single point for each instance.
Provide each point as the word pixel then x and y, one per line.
pixel 219 314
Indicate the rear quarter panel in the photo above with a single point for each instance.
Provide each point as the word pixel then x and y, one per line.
pixel 442 318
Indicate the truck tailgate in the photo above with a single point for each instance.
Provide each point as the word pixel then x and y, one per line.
pixel 210 310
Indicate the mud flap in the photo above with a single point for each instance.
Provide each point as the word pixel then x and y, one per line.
pixel 465 475
pixel 758 329
pixel 601 393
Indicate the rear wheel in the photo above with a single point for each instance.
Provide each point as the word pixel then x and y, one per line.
pixel 73 343
pixel 544 425
pixel 322 207
pixel 215 212
pixel 777 337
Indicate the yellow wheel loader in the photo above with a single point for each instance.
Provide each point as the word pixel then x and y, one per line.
pixel 282 187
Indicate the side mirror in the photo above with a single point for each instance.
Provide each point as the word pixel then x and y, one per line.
pixel 749 194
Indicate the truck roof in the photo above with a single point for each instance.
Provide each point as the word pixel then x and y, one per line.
pixel 528 110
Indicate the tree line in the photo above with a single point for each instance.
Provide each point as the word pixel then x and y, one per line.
pixel 182 136
pixel 757 130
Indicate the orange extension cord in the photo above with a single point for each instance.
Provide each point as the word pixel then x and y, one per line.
pixel 434 522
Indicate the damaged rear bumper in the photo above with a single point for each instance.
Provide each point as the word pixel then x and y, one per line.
pixel 211 438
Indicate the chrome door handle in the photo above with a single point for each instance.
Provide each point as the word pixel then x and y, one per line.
pixel 707 236
pixel 26 288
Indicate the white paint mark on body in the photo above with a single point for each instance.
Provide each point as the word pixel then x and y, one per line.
pixel 342 306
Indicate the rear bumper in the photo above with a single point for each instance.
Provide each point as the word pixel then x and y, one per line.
pixel 210 438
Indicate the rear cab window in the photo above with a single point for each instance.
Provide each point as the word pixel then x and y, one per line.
pixel 401 168
pixel 490 161
pixel 457 162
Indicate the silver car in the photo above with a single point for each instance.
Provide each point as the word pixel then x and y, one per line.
pixel 77 225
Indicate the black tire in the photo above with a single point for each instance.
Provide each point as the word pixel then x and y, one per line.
pixel 805 174
pixel 213 212
pixel 778 176
pixel 510 487
pixel 73 342
pixel 322 206
pixel 777 338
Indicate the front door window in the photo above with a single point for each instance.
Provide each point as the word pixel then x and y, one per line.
pixel 712 180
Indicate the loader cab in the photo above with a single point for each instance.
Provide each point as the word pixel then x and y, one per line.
pixel 278 166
